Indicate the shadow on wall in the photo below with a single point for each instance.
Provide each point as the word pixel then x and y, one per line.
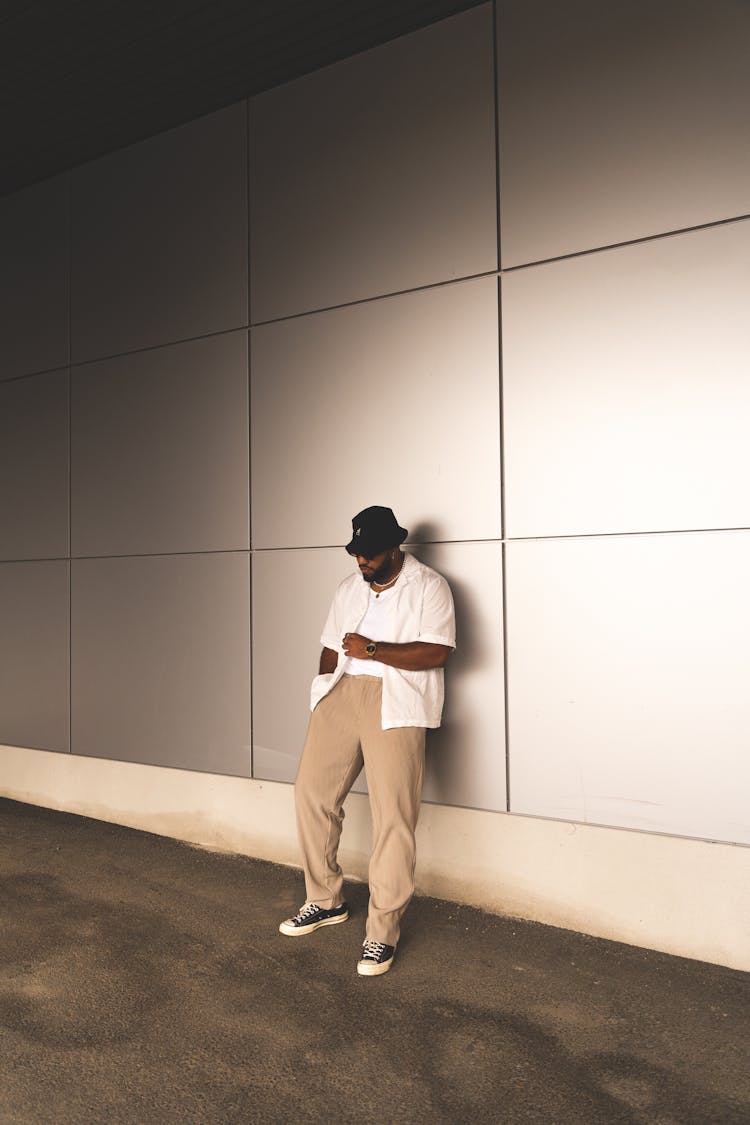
pixel 450 748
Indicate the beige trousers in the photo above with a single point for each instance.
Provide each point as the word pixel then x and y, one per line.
pixel 344 733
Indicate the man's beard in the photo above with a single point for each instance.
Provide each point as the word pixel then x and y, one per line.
pixel 378 575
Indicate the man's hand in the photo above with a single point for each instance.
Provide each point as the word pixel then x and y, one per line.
pixel 354 644
pixel 328 661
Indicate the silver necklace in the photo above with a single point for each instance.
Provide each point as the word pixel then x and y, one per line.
pixel 387 585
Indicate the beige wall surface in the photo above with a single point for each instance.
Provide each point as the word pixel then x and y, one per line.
pixel 160 458
pixel 159 244
pixel 628 667
pixel 35 279
pixel 160 659
pixel 376 175
pixel 382 403
pixel 34 654
pixel 34 466
pixel 220 343
pixel 626 390
pixel 619 120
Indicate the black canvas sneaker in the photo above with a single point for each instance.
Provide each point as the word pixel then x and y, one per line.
pixel 376 958
pixel 311 917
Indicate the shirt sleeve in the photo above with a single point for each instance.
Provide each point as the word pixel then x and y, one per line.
pixel 438 624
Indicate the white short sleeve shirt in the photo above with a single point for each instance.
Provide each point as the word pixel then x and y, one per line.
pixel 420 608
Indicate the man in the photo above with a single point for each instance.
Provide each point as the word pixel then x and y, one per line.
pixel 380 685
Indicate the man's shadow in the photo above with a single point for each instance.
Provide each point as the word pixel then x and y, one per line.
pixel 446 764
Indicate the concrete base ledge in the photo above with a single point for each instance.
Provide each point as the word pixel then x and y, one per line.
pixel 690 898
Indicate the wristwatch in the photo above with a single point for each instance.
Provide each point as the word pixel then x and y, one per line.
pixel 371 648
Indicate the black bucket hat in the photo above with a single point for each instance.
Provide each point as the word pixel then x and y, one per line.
pixel 374 530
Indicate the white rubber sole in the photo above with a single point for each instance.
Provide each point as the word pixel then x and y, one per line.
pixel 300 931
pixel 373 969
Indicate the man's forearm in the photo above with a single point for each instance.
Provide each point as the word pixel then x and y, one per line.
pixel 328 661
pixel 414 656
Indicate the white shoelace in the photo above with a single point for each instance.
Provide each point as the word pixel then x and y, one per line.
pixel 308 909
pixel 371 950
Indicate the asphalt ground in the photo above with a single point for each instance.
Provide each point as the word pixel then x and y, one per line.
pixel 143 980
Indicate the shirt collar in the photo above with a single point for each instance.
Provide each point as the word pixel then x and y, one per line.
pixel 409 569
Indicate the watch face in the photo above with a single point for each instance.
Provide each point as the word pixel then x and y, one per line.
pixel 370 649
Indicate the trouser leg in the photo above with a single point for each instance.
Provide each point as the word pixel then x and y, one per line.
pixel 331 760
pixel 394 764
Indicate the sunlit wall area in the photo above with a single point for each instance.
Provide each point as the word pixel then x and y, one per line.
pixel 624 190
pixel 494 274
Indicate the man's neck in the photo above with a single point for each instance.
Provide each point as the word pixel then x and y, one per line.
pixel 392 572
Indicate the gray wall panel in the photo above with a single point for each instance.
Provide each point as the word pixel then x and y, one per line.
pixel 160 450
pixel 627 388
pixel 34 655
pixel 34 467
pixel 620 120
pixel 466 756
pixel 161 661
pixel 34 278
pixel 292 591
pixel 393 401
pixel 628 667
pixel 160 239
pixel 376 174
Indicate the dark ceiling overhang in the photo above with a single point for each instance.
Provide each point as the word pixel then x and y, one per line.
pixel 82 78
